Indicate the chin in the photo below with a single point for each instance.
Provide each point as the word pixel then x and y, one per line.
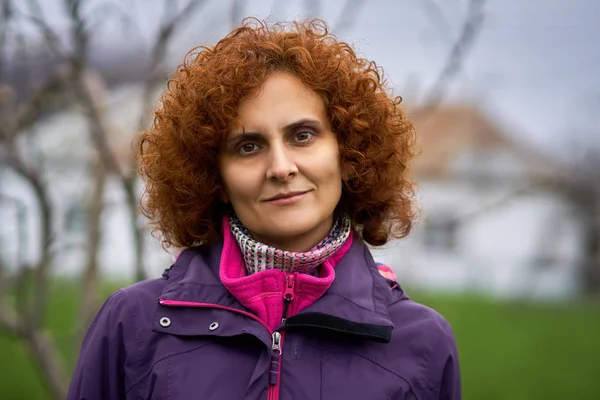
pixel 282 228
pixel 289 228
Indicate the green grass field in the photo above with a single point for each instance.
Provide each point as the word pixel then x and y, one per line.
pixel 522 351
pixel 513 351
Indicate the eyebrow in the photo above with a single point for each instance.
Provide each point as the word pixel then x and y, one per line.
pixel 302 122
pixel 315 123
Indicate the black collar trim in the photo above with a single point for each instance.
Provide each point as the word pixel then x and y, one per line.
pixel 378 333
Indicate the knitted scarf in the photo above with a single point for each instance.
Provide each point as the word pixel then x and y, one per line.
pixel 260 257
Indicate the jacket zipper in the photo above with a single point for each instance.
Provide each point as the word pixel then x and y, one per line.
pixel 277 343
pixel 277 337
pixel 275 367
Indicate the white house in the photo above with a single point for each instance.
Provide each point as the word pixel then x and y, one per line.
pixel 62 143
pixel 484 225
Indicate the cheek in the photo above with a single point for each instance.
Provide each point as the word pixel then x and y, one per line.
pixel 324 169
pixel 334 172
pixel 329 165
pixel 239 182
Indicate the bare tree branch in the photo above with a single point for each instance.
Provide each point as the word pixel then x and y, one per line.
pixel 105 12
pixel 35 9
pixel 437 18
pixel 21 246
pixel 27 112
pixel 496 204
pixel 13 124
pixel 7 127
pixel 31 281
pixel 3 285
pixel 312 8
pixel 5 18
pixel 469 31
pixel 79 34
pixel 92 101
pixel 44 352
pixel 158 52
pixel 81 85
pixel 236 12
pixel 27 323
pixel 153 78
pixel 277 8
pixel 34 318
pixel 38 19
pixel 348 16
pixel 580 185
pixel 8 320
pixel 40 271
pixel 93 111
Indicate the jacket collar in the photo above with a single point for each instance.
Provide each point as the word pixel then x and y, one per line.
pixel 356 303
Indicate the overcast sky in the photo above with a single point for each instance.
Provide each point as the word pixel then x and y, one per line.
pixel 535 65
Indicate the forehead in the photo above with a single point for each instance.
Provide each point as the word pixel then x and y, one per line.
pixel 282 98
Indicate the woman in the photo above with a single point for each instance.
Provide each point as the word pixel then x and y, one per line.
pixel 274 158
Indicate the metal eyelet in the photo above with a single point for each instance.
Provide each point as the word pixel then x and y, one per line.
pixel 165 322
pixel 213 326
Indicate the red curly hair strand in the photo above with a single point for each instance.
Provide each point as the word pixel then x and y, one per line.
pixel 178 156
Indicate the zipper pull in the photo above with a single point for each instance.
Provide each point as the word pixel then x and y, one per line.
pixel 276 346
pixel 288 293
pixel 275 356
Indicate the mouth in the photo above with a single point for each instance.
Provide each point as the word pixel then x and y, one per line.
pixel 287 197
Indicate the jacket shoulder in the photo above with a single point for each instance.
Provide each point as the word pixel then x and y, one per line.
pixel 147 288
pixel 405 312
pixel 423 336
pixel 108 359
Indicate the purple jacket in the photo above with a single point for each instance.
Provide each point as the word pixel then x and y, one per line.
pixel 185 336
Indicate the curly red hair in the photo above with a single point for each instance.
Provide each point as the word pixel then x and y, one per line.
pixel 178 156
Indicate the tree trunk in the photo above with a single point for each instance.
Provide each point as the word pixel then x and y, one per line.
pixel 590 269
pixel 43 352
pixel 136 229
pixel 90 281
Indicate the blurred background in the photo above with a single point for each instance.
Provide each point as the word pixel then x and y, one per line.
pixel 505 95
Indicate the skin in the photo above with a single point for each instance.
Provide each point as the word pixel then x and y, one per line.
pixel 283 143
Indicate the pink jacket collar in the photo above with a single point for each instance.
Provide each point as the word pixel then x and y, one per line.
pixel 263 292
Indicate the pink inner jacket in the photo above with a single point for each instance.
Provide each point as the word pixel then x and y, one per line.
pixel 263 292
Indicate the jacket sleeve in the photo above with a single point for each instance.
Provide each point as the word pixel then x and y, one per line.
pixel 99 374
pixel 450 386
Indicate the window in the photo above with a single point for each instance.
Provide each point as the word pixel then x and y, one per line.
pixel 75 219
pixel 440 234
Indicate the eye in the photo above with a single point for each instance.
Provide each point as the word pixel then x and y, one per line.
pixel 304 136
pixel 247 148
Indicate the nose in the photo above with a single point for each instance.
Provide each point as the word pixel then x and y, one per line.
pixel 282 167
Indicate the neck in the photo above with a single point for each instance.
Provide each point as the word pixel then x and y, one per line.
pixel 300 243
pixel 260 256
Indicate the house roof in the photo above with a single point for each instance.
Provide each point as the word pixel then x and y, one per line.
pixel 454 133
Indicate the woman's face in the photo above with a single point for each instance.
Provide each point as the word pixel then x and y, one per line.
pixel 281 165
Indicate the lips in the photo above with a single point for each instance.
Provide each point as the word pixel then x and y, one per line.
pixel 287 195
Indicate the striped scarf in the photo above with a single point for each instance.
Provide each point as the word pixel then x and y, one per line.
pixel 261 257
